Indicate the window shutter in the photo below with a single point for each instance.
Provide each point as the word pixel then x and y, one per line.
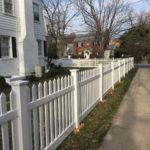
pixel 77 45
pixel 14 49
pixel 0 50
pixel 45 49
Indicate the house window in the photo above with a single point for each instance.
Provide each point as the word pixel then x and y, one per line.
pixel 88 44
pixel 36 12
pixel 80 44
pixel 40 48
pixel 8 6
pixel 4 46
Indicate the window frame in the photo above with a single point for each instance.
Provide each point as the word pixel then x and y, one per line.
pixel 80 44
pixel 7 13
pixel 37 21
pixel 42 49
pixel 9 47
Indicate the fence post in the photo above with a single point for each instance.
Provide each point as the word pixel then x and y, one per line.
pixel 128 65
pixel 112 67
pixel 74 74
pixel 124 67
pixel 132 62
pixel 101 81
pixel 119 61
pixel 79 64
pixel 21 95
pixel 95 62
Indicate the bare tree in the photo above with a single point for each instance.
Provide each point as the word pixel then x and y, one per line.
pixel 131 19
pixel 140 19
pixel 143 18
pixel 59 14
pixel 105 18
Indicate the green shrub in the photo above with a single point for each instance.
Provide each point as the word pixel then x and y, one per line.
pixel 56 71
pixel 52 73
pixel 118 52
pixel 52 65
pixel 32 78
pixel 2 81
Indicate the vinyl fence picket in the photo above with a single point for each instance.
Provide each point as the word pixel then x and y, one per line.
pixel 4 127
pixel 40 91
pixel 59 107
pixel 51 113
pixel 35 119
pixel 55 109
pixel 66 105
pixel 13 122
pixel 63 110
pixel 72 102
pixel 46 114
pixel 69 110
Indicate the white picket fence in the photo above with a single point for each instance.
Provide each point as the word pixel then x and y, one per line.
pixel 69 62
pixel 42 117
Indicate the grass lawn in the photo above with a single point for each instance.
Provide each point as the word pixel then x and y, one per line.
pixel 98 122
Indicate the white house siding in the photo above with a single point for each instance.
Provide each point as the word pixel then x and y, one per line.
pixel 40 30
pixel 8 27
pixel 22 26
pixel 8 22
pixel 27 44
pixel 42 61
pixel 9 67
pixel 39 27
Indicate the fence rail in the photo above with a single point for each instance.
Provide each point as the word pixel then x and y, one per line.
pixel 85 62
pixel 42 117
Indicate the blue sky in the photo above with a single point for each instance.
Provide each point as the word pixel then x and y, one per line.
pixel 140 6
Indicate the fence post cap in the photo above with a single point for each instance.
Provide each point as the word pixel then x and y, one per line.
pixel 19 83
pixel 99 65
pixel 74 70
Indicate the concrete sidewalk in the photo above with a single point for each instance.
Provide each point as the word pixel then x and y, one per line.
pixel 130 129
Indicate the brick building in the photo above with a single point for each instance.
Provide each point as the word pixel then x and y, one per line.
pixel 82 44
pixel 85 43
